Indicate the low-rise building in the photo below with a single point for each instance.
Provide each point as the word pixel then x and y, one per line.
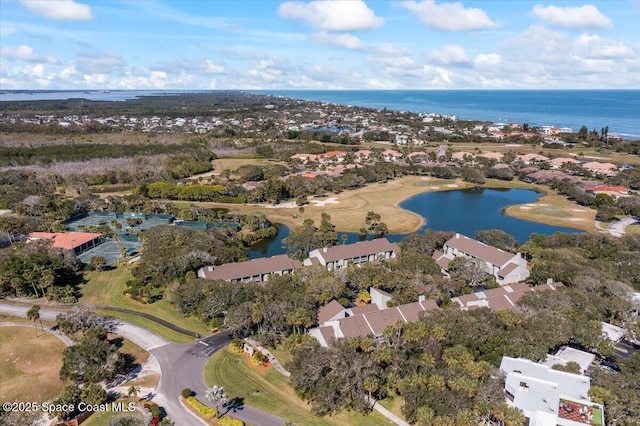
pixel 341 256
pixel 257 270
pixel 78 242
pixel 547 396
pixel 337 322
pixel 504 266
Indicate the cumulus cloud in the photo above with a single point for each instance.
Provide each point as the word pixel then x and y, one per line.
pixel 449 16
pixel 60 10
pixel 586 16
pixel 348 41
pixel 158 79
pixel 26 53
pixel 487 59
pixel 332 15
pixel 450 54
pixel 213 68
pixel 595 47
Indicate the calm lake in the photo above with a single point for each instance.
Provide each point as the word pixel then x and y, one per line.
pixel 465 211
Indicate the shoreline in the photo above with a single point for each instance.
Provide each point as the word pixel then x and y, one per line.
pixel 385 198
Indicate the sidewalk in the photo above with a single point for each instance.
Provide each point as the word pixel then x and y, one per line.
pixel 272 359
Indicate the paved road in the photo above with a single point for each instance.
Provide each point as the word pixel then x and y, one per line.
pixel 617 228
pixel 138 335
pixel 181 367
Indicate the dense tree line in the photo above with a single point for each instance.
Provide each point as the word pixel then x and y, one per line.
pixel 172 251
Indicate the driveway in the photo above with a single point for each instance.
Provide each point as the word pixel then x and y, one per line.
pixel 181 367
pixel 617 228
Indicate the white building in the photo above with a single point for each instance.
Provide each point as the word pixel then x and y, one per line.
pixel 547 396
pixel 341 256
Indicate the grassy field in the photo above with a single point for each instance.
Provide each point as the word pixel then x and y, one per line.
pixel 393 403
pixel 633 229
pixel 29 365
pixel 106 289
pixel 103 418
pixel 554 209
pixel 349 212
pixel 268 390
pixel 582 152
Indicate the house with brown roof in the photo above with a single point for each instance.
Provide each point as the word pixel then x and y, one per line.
pixel 341 256
pixel 558 162
pixel 614 191
pixel 336 322
pixel 78 242
pixel 532 158
pixel 543 176
pixel 504 266
pixel 391 155
pixel 501 298
pixel 608 169
pixel 257 270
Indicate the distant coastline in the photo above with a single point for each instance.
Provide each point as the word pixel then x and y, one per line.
pixel 572 108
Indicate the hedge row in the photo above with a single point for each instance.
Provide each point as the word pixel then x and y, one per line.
pixel 230 421
pixel 207 412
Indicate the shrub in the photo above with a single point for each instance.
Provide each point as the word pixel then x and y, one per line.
pixel 236 346
pixel 207 412
pixel 258 359
pixel 230 421
pixel 186 393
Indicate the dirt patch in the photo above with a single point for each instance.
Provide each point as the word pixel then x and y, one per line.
pixel 29 365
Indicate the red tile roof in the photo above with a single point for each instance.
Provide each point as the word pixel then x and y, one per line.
pixel 65 240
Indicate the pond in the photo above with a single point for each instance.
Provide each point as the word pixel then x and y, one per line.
pixel 465 211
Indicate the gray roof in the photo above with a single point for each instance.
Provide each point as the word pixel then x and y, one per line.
pixel 479 250
pixel 238 270
pixel 362 248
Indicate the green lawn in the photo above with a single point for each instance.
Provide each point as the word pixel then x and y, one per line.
pixel 268 390
pixel 103 418
pixel 394 404
pixel 106 289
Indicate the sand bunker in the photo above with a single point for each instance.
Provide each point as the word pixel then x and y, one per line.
pixel 578 210
pixel 289 205
pixel 452 185
pixel 425 178
pixel 576 219
pixel 525 208
pixel 322 203
pixel 434 187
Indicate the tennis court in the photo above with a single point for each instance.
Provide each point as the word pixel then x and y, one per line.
pixel 111 250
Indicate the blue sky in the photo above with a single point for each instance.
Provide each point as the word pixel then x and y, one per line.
pixel 262 44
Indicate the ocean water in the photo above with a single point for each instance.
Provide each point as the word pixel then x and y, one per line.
pixel 618 109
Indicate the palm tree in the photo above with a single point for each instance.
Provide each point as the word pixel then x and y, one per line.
pixel 215 395
pixel 34 315
pixel 133 391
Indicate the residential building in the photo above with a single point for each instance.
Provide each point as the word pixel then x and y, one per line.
pixel 501 298
pixel 614 191
pixel 504 266
pixel 532 158
pixel 257 270
pixel 337 322
pixel 547 396
pixel 608 169
pixel 78 242
pixel 543 176
pixel 342 255
pixel 558 162
pixel 391 155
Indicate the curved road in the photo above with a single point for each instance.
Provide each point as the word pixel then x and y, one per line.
pixel 181 367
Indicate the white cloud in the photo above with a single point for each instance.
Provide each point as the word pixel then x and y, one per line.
pixel 158 79
pixel 94 80
pixel 487 59
pixel 25 53
pixel 60 10
pixel 449 16
pixel 332 15
pixel 213 68
pixel 595 47
pixel 450 54
pixel 348 41
pixel 586 16
pixel 68 72
pixel 391 49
